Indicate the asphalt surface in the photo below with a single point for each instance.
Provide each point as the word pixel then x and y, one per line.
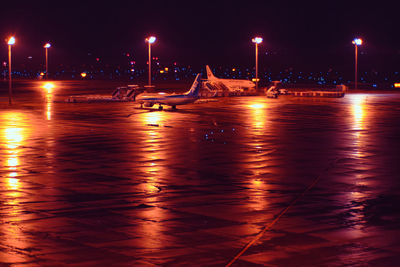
pixel 300 181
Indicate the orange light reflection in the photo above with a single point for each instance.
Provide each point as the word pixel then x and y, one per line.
pixel 49 91
pixel 154 166
pixel 258 112
pixel 153 150
pixel 257 159
pixel 12 139
pixel 358 111
pixel 13 133
pixel 356 198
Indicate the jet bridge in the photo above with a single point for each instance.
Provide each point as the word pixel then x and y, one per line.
pixel 127 93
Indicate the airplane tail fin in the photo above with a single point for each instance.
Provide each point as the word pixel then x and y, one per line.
pixel 210 75
pixel 194 90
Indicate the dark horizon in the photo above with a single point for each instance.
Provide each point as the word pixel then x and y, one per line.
pixel 305 36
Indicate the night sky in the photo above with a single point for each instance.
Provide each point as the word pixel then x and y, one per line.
pixel 311 35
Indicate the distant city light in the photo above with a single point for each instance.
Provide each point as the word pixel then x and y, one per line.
pixel 257 40
pixel 357 41
pixel 11 41
pixel 83 74
pixel 397 85
pixel 47 45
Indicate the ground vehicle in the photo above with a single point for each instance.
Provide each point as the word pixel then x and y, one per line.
pixel 283 91
pixel 272 92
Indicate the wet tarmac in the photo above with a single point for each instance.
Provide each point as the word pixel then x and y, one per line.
pixel 300 181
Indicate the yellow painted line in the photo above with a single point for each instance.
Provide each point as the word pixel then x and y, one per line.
pixel 269 226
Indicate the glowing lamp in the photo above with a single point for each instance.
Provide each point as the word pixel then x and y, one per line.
pixel 397 85
pixel 357 41
pixel 257 40
pixel 151 39
pixel 11 41
pixel 83 74
pixel 47 45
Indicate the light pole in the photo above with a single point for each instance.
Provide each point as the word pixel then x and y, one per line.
pixel 256 41
pixel 356 42
pixel 46 47
pixel 10 42
pixel 150 40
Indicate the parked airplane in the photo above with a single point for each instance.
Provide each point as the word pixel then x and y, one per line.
pixel 227 84
pixel 149 99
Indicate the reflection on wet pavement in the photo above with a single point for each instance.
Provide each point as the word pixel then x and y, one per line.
pixel 110 184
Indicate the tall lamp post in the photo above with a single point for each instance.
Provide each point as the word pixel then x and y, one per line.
pixel 10 42
pixel 150 40
pixel 356 42
pixel 46 47
pixel 257 41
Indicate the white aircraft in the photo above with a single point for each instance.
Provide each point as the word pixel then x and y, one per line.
pixel 227 84
pixel 149 99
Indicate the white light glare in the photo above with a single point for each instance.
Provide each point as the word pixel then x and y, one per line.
pixel 11 41
pixel 151 39
pixel 257 40
pixel 357 41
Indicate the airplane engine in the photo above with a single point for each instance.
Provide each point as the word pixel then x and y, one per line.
pixel 148 104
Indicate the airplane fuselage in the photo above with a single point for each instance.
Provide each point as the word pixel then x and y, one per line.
pixel 173 100
pixel 164 99
pixel 229 84
pixel 233 83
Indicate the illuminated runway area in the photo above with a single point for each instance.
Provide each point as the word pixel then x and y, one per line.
pixel 110 184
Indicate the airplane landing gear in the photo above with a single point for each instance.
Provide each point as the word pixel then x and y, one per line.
pixel 160 107
pixel 174 107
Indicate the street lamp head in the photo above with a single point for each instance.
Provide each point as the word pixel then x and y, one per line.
pixel 11 41
pixel 47 45
pixel 151 39
pixel 357 41
pixel 257 40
